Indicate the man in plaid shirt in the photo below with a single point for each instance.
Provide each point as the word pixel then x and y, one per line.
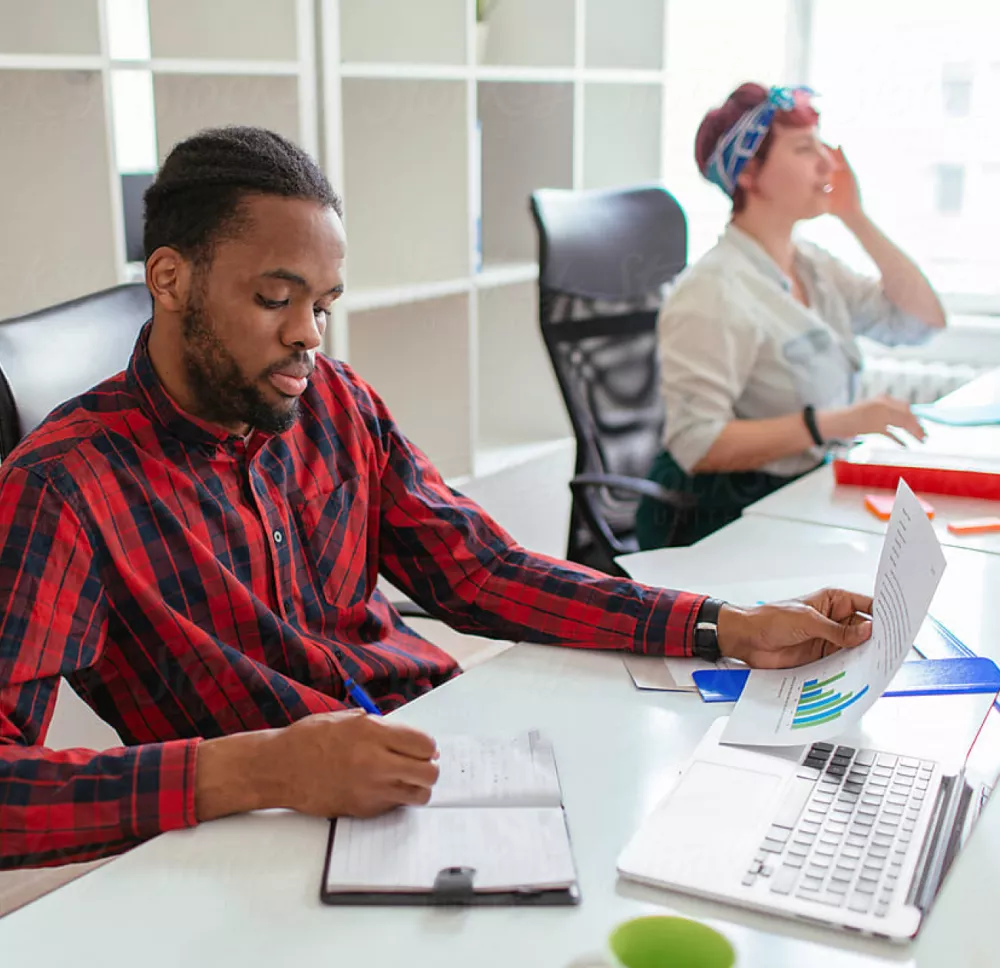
pixel 194 546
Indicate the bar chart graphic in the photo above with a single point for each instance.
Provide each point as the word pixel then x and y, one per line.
pixel 821 701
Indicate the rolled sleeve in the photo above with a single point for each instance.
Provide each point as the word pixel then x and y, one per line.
pixel 706 358
pixel 872 313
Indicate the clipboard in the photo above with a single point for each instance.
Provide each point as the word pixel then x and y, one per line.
pixel 493 833
pixel 453 886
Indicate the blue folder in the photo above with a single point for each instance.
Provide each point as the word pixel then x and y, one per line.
pixel 928 677
pixel 935 641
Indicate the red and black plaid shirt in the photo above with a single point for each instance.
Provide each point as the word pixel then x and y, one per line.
pixel 189 583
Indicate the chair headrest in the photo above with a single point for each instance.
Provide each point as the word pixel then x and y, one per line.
pixel 620 244
pixel 48 357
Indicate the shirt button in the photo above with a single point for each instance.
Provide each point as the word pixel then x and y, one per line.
pixel 278 537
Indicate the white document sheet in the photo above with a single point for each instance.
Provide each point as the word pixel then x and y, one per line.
pixel 790 707
pixel 502 770
pixel 670 675
pixel 404 850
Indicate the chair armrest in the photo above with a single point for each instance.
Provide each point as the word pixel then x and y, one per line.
pixel 408 609
pixel 635 485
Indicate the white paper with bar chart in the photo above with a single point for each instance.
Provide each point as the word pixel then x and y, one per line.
pixel 789 707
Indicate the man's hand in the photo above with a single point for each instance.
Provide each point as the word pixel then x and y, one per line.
pixel 326 765
pixel 794 633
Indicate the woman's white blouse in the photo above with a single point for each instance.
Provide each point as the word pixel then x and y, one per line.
pixel 736 344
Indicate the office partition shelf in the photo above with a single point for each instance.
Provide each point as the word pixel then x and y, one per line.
pixel 433 127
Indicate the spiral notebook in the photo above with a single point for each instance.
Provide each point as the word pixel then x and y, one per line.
pixel 494 832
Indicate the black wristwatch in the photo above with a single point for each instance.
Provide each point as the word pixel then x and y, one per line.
pixel 706 631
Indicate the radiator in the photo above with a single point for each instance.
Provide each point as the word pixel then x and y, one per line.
pixel 914 380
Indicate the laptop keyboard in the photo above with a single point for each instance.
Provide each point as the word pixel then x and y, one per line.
pixel 844 828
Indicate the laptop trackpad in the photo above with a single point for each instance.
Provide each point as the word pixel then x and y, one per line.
pixel 726 805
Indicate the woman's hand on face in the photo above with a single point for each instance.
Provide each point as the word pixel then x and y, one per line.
pixel 844 197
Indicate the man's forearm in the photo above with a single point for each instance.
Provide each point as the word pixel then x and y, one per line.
pixel 528 597
pixel 237 774
pixel 448 555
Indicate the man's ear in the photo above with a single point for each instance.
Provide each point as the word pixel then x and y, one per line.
pixel 168 277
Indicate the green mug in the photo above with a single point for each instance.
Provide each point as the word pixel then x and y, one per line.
pixel 660 941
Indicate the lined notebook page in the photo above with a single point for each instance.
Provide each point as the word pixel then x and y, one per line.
pixel 404 850
pixel 517 770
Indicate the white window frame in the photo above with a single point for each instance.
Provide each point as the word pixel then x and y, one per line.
pixel 799 58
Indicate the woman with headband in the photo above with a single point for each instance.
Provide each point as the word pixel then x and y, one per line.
pixel 757 339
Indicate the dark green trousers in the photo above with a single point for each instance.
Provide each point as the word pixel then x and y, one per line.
pixel 721 499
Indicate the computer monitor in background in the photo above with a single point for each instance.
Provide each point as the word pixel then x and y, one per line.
pixel 133 187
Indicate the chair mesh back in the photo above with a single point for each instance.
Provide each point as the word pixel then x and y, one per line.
pixel 605 258
pixel 605 356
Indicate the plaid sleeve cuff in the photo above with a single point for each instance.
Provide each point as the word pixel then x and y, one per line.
pixel 669 629
pixel 163 787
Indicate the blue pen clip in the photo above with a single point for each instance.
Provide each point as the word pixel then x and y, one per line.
pixel 358 694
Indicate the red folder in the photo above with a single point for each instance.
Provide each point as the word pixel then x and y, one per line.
pixel 929 473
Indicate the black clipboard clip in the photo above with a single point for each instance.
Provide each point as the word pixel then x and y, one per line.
pixel 453 885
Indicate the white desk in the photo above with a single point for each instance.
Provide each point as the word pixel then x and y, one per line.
pixel 817 499
pixel 244 891
pixel 793 558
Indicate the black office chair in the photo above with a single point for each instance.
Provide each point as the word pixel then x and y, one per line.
pixel 54 354
pixel 604 257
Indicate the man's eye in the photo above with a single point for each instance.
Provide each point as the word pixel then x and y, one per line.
pixel 271 303
pixel 323 311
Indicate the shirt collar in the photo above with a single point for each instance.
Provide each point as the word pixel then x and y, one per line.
pixel 754 252
pixel 161 407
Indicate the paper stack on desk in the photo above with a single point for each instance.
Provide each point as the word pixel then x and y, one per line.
pixel 790 707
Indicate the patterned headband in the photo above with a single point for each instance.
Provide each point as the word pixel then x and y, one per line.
pixel 741 142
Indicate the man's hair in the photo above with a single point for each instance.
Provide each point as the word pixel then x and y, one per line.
pixel 195 200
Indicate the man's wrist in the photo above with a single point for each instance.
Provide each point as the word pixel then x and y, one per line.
pixel 238 774
pixel 705 638
pixel 733 634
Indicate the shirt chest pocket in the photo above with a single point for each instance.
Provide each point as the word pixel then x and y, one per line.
pixel 333 532
pixel 821 370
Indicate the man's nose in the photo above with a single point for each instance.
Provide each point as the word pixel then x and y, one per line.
pixel 306 331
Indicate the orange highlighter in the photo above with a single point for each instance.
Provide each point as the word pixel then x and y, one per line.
pixel 881 505
pixel 975 526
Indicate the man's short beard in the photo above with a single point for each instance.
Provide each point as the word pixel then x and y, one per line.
pixel 223 395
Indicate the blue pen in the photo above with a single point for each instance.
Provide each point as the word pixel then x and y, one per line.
pixel 361 697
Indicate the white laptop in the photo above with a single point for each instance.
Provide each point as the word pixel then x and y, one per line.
pixel 852 838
